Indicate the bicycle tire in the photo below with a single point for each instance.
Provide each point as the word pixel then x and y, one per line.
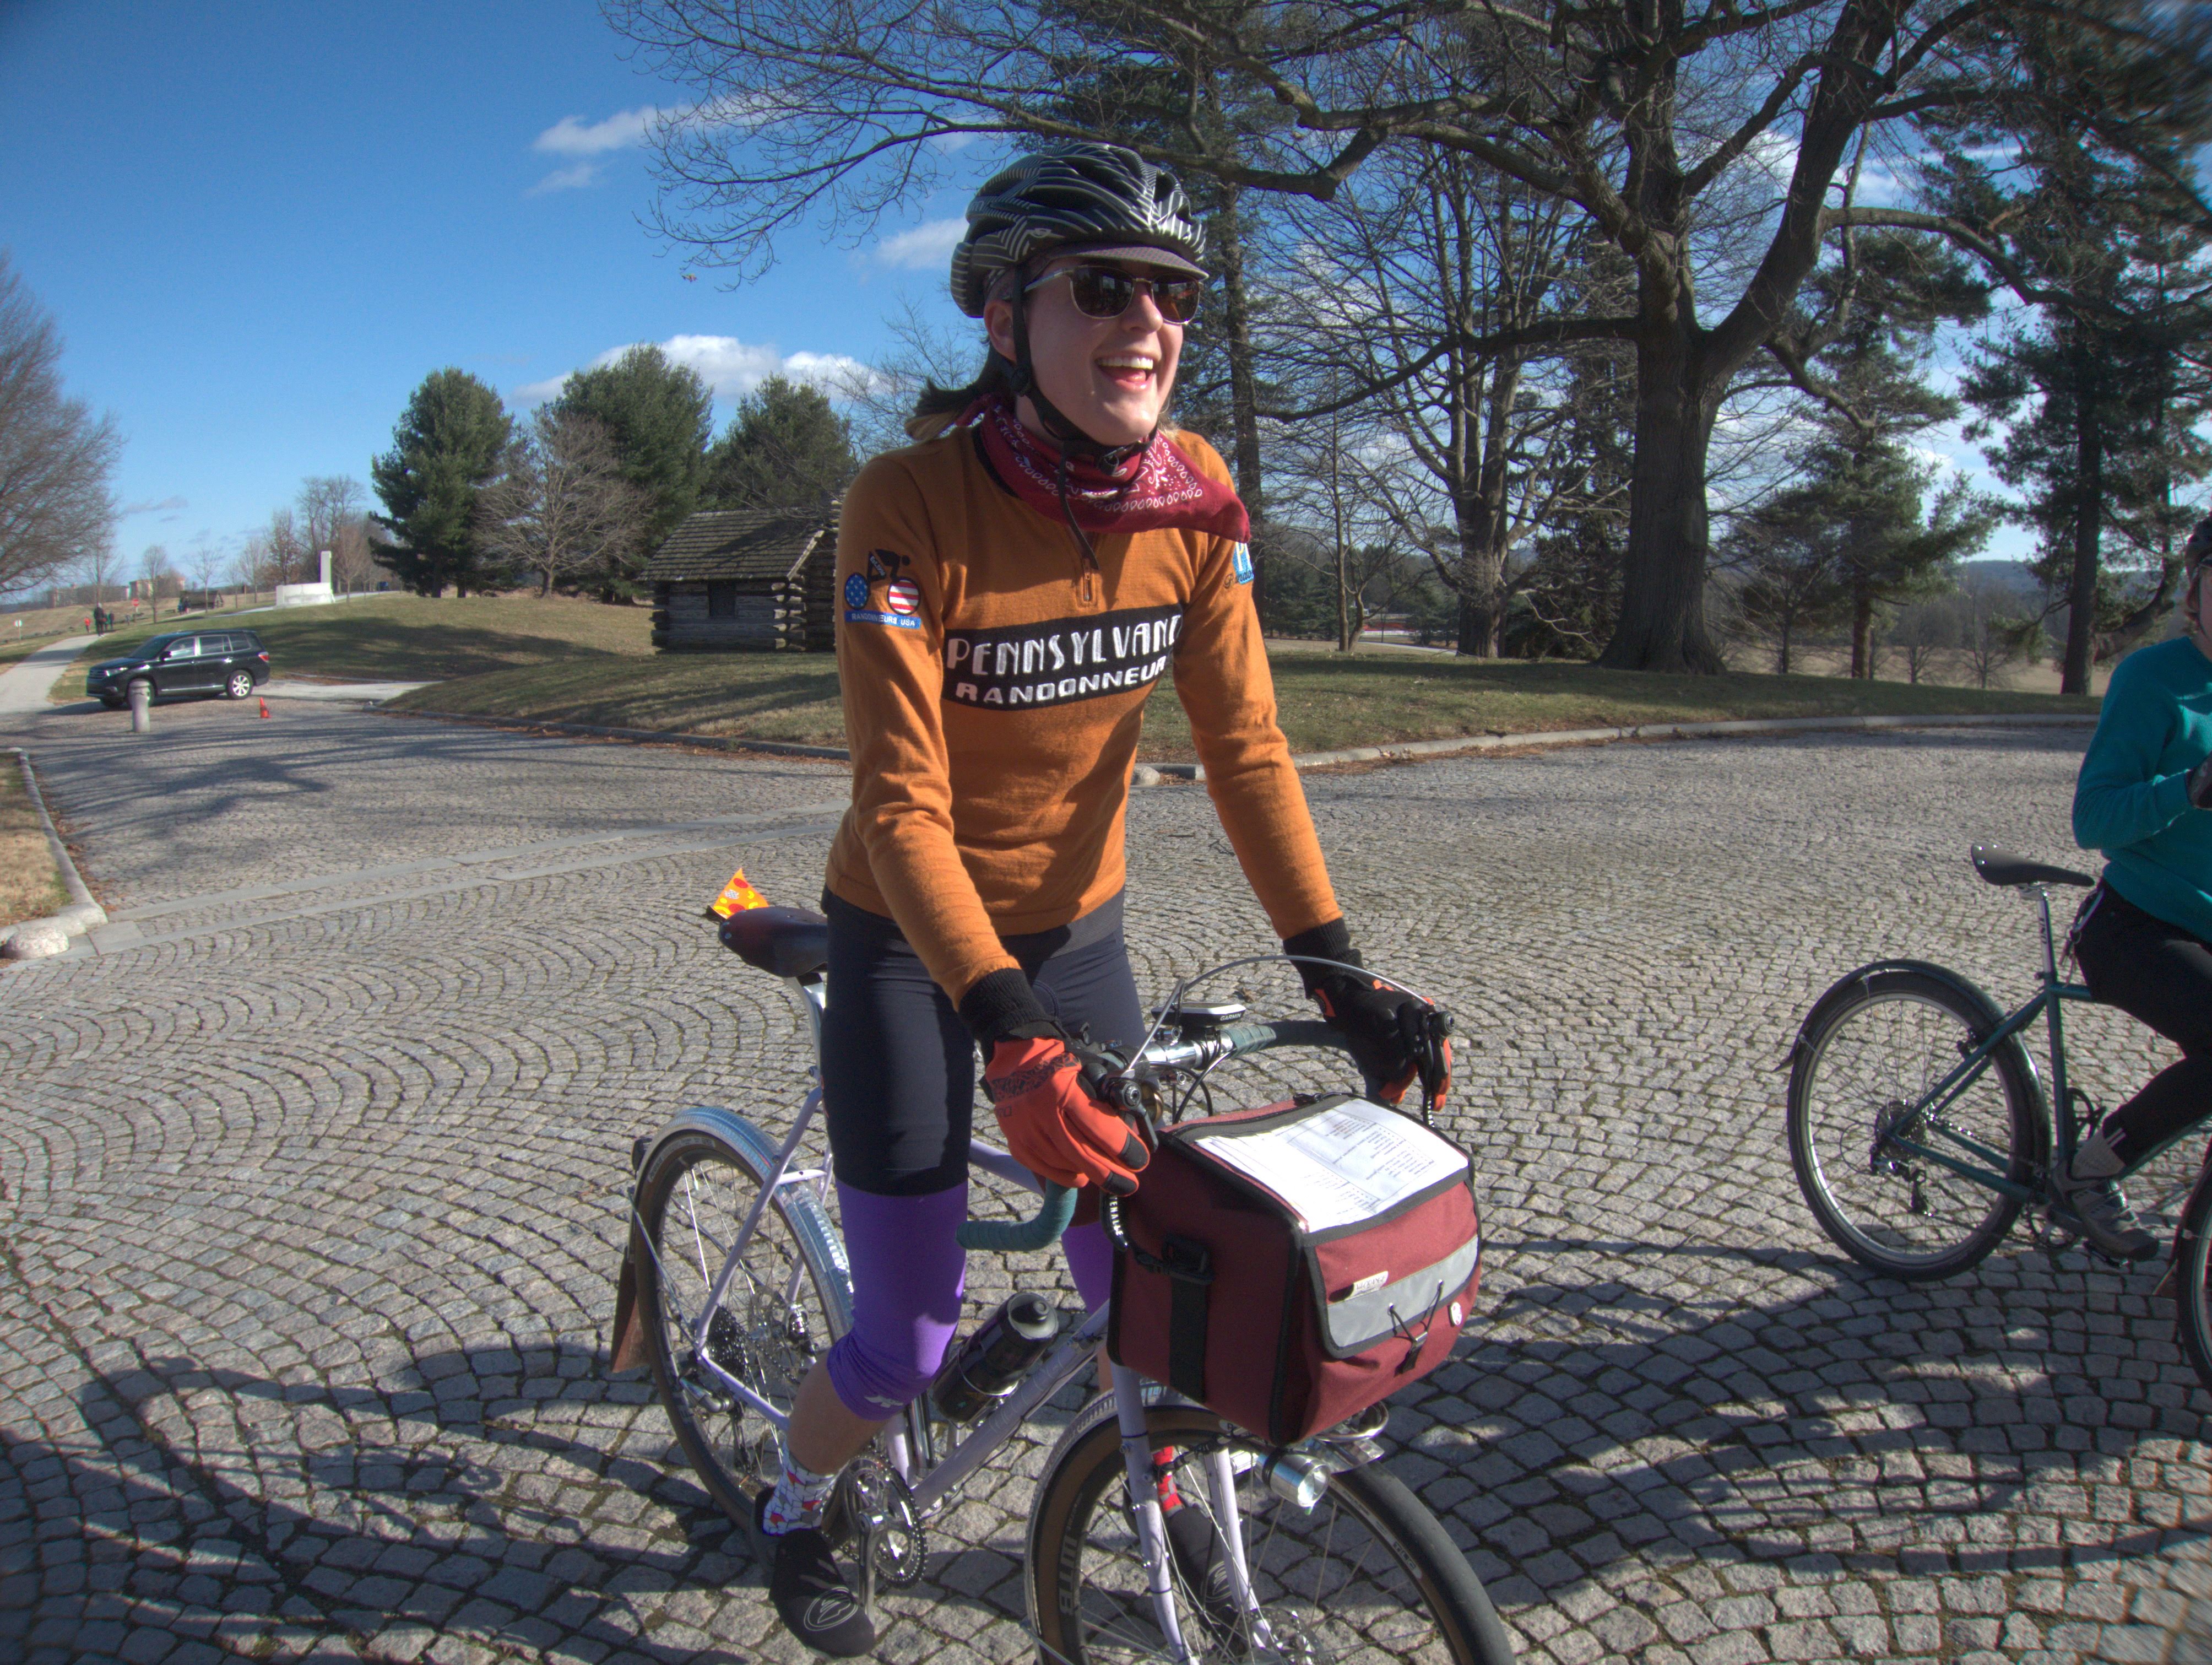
pixel 771 1340
pixel 1873 1045
pixel 1083 1575
pixel 2192 1293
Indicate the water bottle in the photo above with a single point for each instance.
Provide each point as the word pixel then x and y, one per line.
pixel 995 1357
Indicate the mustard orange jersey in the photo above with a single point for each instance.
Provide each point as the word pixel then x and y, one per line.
pixel 994 684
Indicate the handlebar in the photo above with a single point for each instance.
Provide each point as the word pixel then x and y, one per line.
pixel 1043 1229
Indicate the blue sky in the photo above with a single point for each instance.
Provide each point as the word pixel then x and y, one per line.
pixel 259 227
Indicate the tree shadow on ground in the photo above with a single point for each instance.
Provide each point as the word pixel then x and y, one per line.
pixel 2033 1422
pixel 500 1494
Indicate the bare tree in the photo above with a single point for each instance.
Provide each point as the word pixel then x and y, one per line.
pixel 1922 630
pixel 97 563
pixel 207 561
pixel 57 460
pixel 563 504
pixel 1670 131
pixel 1330 513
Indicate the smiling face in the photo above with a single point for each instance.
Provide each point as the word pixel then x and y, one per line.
pixel 1110 376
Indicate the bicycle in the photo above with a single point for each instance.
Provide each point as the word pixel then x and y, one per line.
pixel 736 1281
pixel 1919 1129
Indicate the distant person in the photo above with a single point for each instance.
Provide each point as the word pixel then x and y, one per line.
pixel 2144 937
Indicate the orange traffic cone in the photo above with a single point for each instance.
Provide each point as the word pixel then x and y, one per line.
pixel 264 708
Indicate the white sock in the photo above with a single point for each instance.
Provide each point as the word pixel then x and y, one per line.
pixel 798 1499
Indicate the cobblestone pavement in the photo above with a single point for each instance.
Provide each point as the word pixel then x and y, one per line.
pixel 312 1196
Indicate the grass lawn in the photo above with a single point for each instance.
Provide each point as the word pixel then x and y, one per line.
pixel 408 639
pixel 30 885
pixel 1327 700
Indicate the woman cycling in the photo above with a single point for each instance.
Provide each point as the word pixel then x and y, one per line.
pixel 1010 589
pixel 2144 937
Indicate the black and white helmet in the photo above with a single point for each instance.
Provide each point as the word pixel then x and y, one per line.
pixel 1072 193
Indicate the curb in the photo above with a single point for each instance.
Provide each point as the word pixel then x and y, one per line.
pixel 82 912
pixel 1410 748
pixel 660 736
pixel 1757 725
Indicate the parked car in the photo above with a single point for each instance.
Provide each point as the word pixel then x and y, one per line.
pixel 229 663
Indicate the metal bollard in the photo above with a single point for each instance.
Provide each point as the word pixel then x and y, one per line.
pixel 141 709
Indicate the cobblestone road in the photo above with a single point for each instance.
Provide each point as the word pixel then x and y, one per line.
pixel 311 1199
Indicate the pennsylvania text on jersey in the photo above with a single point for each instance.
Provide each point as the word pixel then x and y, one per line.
pixel 1061 659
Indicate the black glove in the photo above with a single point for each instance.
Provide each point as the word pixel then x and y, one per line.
pixel 2200 784
pixel 1392 1034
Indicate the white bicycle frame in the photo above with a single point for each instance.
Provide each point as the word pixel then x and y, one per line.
pixel 931 1484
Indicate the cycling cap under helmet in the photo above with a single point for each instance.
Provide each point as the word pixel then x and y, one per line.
pixel 1100 197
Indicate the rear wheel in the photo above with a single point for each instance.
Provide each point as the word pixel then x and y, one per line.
pixel 788 1300
pixel 239 686
pixel 1862 1074
pixel 1366 1574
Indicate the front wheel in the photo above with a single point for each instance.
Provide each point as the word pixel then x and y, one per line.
pixel 1366 1574
pixel 1860 1089
pixel 239 686
pixel 788 1299
pixel 2192 1293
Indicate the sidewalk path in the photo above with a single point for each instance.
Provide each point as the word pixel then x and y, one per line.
pixel 280 687
pixel 23 684
pixel 311 1201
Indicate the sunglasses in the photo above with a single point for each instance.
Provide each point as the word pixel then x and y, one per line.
pixel 1104 292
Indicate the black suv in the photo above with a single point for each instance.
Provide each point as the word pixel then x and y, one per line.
pixel 230 663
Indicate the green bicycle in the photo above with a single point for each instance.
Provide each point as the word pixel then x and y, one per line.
pixel 1919 1128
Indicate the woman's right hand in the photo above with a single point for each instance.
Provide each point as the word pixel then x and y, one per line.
pixel 1053 1125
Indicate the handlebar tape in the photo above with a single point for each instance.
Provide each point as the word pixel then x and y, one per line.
pixel 1040 1231
pixel 1291 1032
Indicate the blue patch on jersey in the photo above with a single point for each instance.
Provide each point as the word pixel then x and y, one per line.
pixel 856 591
pixel 1242 561
pixel 861 616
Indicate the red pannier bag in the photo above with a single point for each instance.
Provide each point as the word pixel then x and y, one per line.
pixel 1289 1267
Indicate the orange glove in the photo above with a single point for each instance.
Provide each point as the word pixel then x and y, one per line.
pixel 1052 1126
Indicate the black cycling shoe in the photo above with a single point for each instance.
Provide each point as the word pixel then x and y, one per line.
pixel 809 1589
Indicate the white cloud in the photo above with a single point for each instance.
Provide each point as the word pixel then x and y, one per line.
pixel 928 247
pixel 162 507
pixel 730 367
pixel 572 136
pixel 566 178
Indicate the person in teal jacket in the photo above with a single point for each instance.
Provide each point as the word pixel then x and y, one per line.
pixel 2144 937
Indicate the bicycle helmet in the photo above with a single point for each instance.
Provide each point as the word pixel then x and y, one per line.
pixel 1109 200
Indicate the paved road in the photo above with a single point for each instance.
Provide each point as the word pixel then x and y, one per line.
pixel 23 684
pixel 312 1201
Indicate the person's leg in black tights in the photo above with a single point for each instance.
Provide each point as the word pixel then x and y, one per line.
pixel 2162 975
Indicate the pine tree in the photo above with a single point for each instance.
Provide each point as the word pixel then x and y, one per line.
pixel 660 417
pixel 450 444
pixel 784 447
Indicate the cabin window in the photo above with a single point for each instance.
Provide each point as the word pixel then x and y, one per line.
pixel 722 599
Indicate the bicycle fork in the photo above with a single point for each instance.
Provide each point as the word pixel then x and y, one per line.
pixel 1151 1524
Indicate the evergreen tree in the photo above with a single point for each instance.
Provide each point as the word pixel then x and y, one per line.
pixel 785 446
pixel 659 416
pixel 451 443
pixel 2087 207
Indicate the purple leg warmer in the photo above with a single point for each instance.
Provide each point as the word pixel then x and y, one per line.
pixel 908 1273
pixel 1090 1258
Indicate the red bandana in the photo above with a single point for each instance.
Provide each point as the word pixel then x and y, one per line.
pixel 1153 487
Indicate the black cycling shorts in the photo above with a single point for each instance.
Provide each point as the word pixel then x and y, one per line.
pixel 898 1066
